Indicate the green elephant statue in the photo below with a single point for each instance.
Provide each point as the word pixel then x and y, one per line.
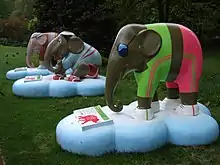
pixel 159 52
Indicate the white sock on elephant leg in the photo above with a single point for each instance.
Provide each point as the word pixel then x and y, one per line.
pixel 188 110
pixel 169 104
pixel 155 106
pixel 143 114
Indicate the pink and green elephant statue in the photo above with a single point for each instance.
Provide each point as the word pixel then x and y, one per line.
pixel 72 53
pixel 159 52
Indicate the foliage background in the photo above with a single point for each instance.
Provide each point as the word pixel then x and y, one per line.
pixel 98 21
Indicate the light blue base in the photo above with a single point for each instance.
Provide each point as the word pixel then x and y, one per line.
pixel 129 135
pixel 140 137
pixel 93 142
pixel 12 75
pixel 59 88
pixel 192 131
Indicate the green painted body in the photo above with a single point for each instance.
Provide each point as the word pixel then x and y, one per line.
pixel 162 70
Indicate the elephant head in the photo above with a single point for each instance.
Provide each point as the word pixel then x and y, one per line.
pixel 34 45
pixel 64 43
pixel 134 46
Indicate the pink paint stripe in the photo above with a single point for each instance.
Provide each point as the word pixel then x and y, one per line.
pixel 90 53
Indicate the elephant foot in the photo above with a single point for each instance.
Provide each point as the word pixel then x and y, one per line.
pixel 81 71
pixel 187 110
pixel 93 71
pixel 58 77
pixel 155 106
pixel 72 78
pixel 143 114
pixel 86 71
pixel 169 104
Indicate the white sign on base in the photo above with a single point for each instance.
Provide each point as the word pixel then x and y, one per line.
pixel 91 117
pixel 33 78
pixel 20 69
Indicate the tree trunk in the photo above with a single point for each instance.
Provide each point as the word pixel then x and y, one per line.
pixel 163 9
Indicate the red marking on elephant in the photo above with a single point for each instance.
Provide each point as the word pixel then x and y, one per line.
pixel 90 53
pixel 83 56
pixel 73 78
pixel 58 77
pixel 94 71
pixel 43 48
pixel 30 78
pixel 88 118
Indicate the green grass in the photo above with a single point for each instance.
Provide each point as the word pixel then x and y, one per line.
pixel 27 128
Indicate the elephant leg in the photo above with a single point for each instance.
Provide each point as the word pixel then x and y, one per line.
pixel 188 96
pixel 93 71
pixel 172 93
pixel 172 100
pixel 61 70
pixel 144 102
pixel 188 88
pixel 86 70
pixel 149 103
pixel 155 105
pixel 189 83
pixel 144 110
pixel 188 106
pixel 147 96
pixel 60 74
pixel 53 61
pixel 81 70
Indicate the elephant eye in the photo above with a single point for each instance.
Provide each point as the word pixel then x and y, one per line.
pixel 122 50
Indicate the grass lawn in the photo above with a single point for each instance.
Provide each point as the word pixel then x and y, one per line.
pixel 27 128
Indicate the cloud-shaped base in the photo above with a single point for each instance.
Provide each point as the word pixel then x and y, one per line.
pixel 59 88
pixel 12 75
pixel 129 135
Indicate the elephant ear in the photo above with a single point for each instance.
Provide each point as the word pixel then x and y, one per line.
pixel 149 41
pixel 75 45
pixel 42 39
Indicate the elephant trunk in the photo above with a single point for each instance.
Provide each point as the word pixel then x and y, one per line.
pixel 28 56
pixel 48 65
pixel 113 76
pixel 48 60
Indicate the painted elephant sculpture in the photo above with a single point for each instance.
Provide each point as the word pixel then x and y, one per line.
pixel 159 52
pixel 38 43
pixel 72 53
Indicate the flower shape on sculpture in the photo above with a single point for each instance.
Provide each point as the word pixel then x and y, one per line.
pixel 48 87
pixel 21 72
pixel 129 135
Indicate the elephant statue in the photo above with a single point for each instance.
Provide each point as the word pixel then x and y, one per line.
pixel 83 59
pixel 37 44
pixel 158 52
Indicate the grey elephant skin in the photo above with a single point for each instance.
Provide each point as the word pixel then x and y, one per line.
pixel 160 52
pixel 37 44
pixel 71 52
